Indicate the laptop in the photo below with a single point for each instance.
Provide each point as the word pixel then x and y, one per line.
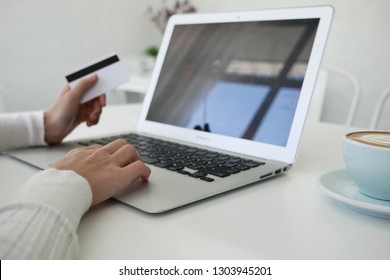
pixel 229 93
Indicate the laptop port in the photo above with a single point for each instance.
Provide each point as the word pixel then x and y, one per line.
pixel 266 175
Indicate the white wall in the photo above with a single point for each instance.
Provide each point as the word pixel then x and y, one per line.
pixel 41 40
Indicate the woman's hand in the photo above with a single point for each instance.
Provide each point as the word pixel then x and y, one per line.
pixel 67 113
pixel 109 169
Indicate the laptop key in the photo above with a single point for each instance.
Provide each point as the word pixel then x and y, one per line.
pixel 252 163
pixel 216 172
pixel 175 167
pixel 148 160
pixel 162 164
pixel 198 174
pixel 207 179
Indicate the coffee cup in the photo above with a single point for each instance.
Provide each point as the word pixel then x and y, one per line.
pixel 367 159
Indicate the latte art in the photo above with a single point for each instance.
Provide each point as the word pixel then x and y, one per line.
pixel 375 138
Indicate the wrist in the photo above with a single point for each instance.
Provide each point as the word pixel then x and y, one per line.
pixel 50 137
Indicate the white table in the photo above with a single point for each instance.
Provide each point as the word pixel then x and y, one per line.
pixel 287 217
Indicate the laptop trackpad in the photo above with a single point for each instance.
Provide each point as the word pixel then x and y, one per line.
pixel 165 190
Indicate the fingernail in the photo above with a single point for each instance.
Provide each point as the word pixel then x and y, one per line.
pixel 94 77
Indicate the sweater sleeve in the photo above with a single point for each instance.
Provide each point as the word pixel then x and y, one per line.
pixel 21 130
pixel 42 222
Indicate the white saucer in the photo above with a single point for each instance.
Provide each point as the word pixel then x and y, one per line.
pixel 338 185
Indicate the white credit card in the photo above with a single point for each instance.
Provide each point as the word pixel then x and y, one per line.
pixel 111 74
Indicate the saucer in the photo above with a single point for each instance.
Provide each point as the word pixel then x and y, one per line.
pixel 339 185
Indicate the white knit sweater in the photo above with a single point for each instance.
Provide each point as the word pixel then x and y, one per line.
pixel 42 221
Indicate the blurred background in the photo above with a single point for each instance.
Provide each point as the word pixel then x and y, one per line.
pixel 42 40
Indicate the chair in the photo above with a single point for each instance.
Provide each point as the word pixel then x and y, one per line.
pixel 340 95
pixel 318 96
pixel 378 111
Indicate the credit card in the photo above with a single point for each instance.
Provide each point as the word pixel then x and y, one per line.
pixel 111 73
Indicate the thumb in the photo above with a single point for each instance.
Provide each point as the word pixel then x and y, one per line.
pixel 83 86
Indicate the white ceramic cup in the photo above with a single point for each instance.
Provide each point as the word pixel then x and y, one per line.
pixel 367 158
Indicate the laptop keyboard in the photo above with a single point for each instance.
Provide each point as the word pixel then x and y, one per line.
pixel 186 160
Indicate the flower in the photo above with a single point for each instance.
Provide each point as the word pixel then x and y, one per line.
pixel 161 16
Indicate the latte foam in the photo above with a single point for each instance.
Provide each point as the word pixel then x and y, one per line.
pixel 375 138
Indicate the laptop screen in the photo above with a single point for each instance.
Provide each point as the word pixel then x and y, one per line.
pixel 239 79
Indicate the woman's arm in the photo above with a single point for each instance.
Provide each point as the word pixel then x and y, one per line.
pixel 21 130
pixel 42 221
pixel 53 125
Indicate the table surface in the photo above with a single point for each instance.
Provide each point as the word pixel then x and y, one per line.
pixel 287 217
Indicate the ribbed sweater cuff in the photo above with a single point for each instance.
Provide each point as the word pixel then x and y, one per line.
pixel 62 190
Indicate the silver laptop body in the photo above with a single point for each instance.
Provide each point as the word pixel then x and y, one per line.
pixel 236 83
